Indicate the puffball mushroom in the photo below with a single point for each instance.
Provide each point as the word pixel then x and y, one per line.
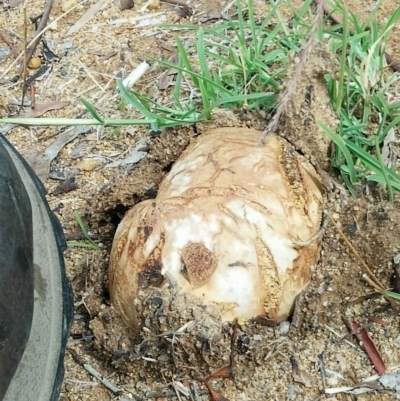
pixel 225 228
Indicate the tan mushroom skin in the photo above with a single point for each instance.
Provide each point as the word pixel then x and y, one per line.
pixel 223 228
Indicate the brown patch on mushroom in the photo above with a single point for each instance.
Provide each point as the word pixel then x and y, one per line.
pixel 150 274
pixel 199 264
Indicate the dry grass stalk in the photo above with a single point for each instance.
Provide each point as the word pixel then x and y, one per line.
pixel 291 84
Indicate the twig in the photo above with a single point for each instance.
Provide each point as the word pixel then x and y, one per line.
pixel 91 370
pixel 357 330
pixel 359 300
pixel 322 370
pixel 393 303
pixel 356 254
pixel 369 276
pixel 169 393
pixel 195 391
pixel 315 237
pixel 25 63
pixel 292 82
pixel 369 346
pixel 38 34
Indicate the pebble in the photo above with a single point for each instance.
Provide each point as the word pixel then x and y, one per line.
pixel 53 26
pixel 335 216
pixel 125 4
pixel 153 4
pixel 4 54
pixel 35 63
pixel 68 4
pixel 284 327
pixel 332 381
pixel 88 164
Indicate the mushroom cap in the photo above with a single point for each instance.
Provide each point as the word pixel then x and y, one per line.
pixel 224 228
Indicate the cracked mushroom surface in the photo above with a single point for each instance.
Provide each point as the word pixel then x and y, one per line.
pixel 223 229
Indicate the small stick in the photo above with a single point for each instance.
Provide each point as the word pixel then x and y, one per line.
pixel 315 237
pixel 322 370
pixel 38 34
pixel 359 300
pixel 169 393
pixel 363 264
pixel 91 370
pixel 369 276
pixel 195 391
pixel 32 92
pixel 393 303
pixel 368 345
pixel 25 63
pixel 357 330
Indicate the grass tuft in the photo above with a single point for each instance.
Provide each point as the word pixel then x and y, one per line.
pixel 239 63
pixel 362 98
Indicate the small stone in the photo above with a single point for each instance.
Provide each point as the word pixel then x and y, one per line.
pixel 321 289
pixel 332 381
pixel 88 164
pixel 4 54
pixel 35 63
pixel 125 4
pixel 53 26
pixel 284 327
pixel 335 216
pixel 68 4
pixel 153 4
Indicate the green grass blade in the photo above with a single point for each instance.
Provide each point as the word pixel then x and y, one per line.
pixel 84 231
pixel 92 111
pixel 394 295
pixel 340 143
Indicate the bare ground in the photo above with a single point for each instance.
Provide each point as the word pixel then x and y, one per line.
pixel 89 61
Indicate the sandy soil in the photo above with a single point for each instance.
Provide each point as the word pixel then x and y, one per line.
pixel 90 59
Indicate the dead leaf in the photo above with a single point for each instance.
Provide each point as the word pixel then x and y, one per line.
pixel 134 155
pixel 387 151
pixel 301 376
pixel 40 109
pixel 89 14
pixel 357 389
pixel 65 186
pixel 369 346
pixel 40 162
pixel 391 381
